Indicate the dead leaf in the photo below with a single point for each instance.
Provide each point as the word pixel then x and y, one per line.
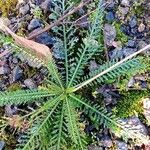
pixel 40 50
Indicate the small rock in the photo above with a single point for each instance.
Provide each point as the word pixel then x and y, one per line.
pixel 4 70
pixel 146 107
pixel 34 23
pixel 141 27
pixel 109 34
pixel 134 127
pixel 10 110
pixel 131 44
pixel 17 73
pixel 125 3
pixel 2 144
pixel 110 4
pixel 125 29
pixel 141 45
pixel 46 5
pixel 45 39
pixel 24 10
pixel 131 82
pixel 128 51
pixel 121 145
pixel 107 142
pixel 93 65
pixel 95 148
pixel 116 53
pixel 110 16
pixel 30 84
pixel 15 61
pixel 133 22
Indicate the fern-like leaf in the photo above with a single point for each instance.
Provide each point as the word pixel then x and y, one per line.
pixel 22 96
pixel 38 136
pixel 89 47
pixel 72 119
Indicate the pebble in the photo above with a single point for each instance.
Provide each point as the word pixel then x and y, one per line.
pixel 125 29
pixel 135 126
pixel 128 51
pixel 10 110
pixel 107 142
pixel 131 82
pixel 95 148
pixel 45 39
pixel 141 27
pixel 17 73
pixel 109 34
pixel 24 10
pixel 121 145
pixel 131 44
pixel 110 16
pixel 146 107
pixel 30 84
pixel 4 70
pixel 34 24
pixel 133 22
pixel 93 65
pixel 116 53
pixel 110 4
pixel 2 144
pixel 141 45
pixel 125 3
pixel 46 5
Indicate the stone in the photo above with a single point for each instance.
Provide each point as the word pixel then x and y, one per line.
pixel 30 84
pixel 110 4
pixel 116 53
pixel 121 145
pixel 10 110
pixel 131 44
pixel 110 16
pixel 146 107
pixel 131 82
pixel 133 22
pixel 141 27
pixel 34 24
pixel 109 34
pixel 93 65
pixel 107 142
pixel 17 74
pixel 95 148
pixel 133 126
pixel 122 12
pixel 24 9
pixel 141 45
pixel 2 144
pixel 128 51
pixel 125 3
pixel 45 39
pixel 4 70
pixel 46 5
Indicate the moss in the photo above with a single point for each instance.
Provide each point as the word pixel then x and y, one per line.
pixel 120 35
pixel 130 104
pixel 14 87
pixel 7 6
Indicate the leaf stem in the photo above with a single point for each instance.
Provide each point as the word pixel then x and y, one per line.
pixel 79 86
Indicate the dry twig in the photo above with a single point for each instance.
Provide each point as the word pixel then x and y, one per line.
pixel 60 19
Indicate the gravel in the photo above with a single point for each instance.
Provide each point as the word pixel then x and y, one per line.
pixel 34 24
pixel 24 10
pixel 109 34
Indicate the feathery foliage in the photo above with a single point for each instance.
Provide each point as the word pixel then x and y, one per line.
pixel 56 124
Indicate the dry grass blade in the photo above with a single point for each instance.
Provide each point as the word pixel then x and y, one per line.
pixel 40 50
